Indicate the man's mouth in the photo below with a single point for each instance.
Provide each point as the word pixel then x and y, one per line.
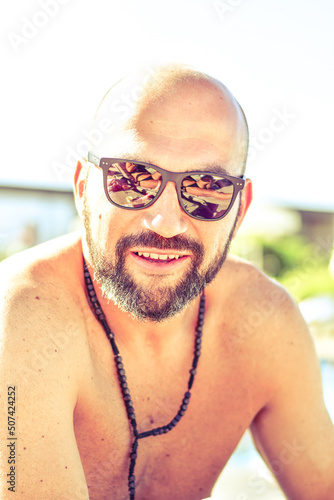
pixel 154 257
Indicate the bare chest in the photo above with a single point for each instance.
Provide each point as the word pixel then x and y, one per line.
pixel 181 464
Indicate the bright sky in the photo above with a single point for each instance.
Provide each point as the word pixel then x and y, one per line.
pixel 59 58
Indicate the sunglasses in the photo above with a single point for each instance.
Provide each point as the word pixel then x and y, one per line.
pixel 134 185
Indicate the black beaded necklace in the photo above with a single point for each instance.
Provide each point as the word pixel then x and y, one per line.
pixel 124 386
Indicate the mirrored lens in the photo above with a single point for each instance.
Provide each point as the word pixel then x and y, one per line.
pixel 206 196
pixel 132 185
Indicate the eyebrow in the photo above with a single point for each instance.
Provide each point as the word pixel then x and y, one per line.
pixel 217 169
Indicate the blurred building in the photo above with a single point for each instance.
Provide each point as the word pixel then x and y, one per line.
pixel 318 227
pixel 31 215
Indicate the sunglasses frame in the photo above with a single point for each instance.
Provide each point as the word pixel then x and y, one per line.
pixel 167 176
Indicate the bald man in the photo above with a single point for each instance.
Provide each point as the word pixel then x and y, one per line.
pixel 137 352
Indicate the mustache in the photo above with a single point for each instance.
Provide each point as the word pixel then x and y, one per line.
pixel 151 239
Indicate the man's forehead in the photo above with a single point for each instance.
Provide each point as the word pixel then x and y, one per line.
pixel 173 110
pixel 151 87
pixel 131 146
pixel 179 154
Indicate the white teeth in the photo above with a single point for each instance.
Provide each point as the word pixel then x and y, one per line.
pixel 155 256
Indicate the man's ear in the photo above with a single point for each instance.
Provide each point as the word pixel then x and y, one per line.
pixel 246 199
pixel 79 185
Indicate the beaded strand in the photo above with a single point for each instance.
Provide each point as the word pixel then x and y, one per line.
pixel 123 381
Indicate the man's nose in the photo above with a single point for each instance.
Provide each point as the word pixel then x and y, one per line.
pixel 165 217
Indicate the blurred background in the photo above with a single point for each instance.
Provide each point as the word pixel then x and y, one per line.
pixel 60 57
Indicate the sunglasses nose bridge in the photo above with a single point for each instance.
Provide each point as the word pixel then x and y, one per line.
pixel 168 189
pixel 165 216
pixel 173 178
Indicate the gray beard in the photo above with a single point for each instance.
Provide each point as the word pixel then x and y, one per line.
pixel 153 303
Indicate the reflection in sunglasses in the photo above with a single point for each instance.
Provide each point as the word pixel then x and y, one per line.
pixel 202 194
pixel 206 193
pixel 140 201
pixel 136 176
pixel 130 167
pixel 115 185
pixel 205 182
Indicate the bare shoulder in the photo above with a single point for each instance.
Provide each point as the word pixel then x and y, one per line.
pixel 261 314
pixel 39 307
pixel 41 262
pixel 246 285
pixel 270 299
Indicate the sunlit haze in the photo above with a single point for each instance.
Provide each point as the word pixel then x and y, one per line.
pixel 61 57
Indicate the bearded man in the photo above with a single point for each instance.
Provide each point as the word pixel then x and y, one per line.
pixel 131 346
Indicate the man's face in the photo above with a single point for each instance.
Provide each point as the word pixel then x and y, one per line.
pixel 153 262
pixel 154 300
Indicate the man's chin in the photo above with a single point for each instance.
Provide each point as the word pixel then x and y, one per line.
pixel 157 283
pixel 151 299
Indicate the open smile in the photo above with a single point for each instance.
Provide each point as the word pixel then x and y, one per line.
pixel 156 256
pixel 158 261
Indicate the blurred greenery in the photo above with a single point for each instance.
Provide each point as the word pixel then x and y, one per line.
pixel 303 283
pixel 300 266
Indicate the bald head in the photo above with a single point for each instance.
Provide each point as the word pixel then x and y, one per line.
pixel 173 108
